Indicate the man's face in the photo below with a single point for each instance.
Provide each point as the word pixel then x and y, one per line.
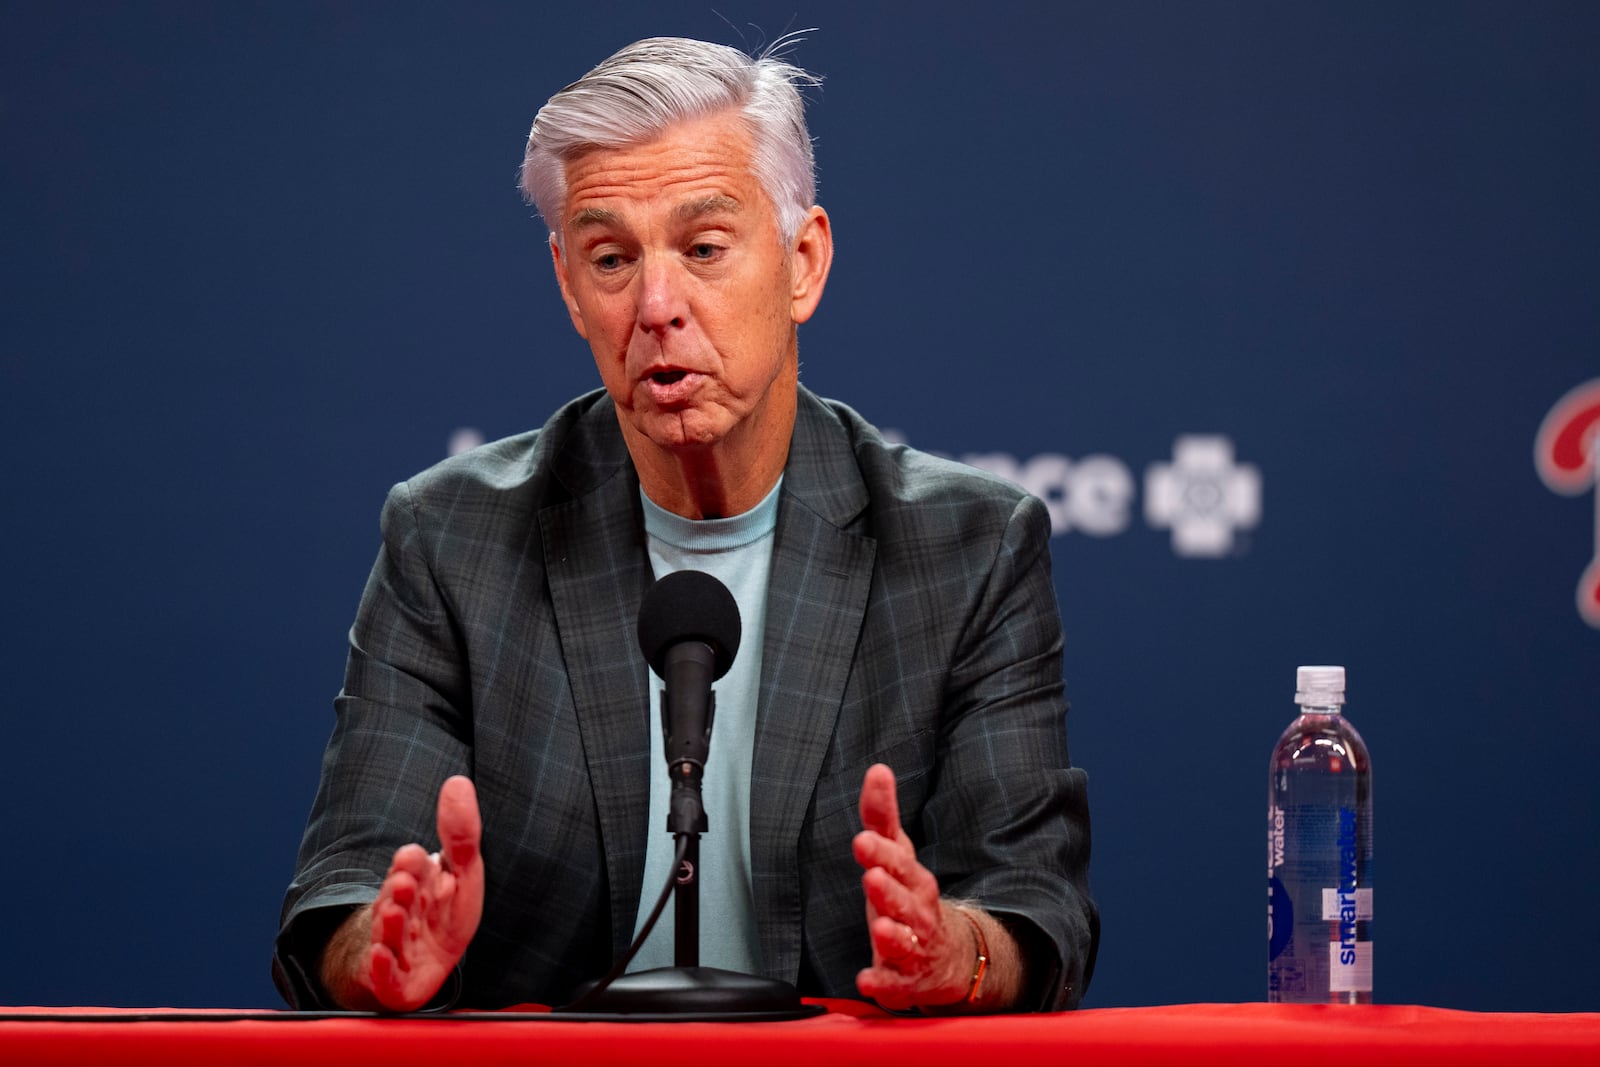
pixel 675 272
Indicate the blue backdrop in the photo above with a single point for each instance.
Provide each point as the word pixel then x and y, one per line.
pixel 1269 301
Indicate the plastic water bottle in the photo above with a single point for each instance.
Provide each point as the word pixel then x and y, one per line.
pixel 1319 852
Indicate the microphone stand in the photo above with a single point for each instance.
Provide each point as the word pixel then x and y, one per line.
pixel 687 991
pixel 686 904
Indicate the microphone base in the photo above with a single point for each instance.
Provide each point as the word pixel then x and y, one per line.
pixel 692 994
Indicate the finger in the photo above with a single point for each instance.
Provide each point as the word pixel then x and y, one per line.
pixel 444 888
pixel 898 857
pixel 411 860
pixel 891 989
pixel 873 849
pixel 896 943
pixel 460 823
pixel 891 899
pixel 399 889
pixel 897 860
pixel 879 805
pixel 389 934
pixel 866 849
pixel 382 974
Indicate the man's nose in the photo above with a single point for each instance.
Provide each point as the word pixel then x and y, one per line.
pixel 662 305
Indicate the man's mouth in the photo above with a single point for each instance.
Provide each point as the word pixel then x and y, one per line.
pixel 672 387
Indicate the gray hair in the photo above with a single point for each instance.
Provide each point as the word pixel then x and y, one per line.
pixel 648 86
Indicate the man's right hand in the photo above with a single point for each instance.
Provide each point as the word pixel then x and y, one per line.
pixel 395 954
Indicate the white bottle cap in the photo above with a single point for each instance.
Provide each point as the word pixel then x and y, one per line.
pixel 1319 686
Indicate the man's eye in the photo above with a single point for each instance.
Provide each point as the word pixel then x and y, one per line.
pixel 703 250
pixel 608 261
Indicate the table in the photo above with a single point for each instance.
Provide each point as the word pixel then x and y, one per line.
pixel 1193 1035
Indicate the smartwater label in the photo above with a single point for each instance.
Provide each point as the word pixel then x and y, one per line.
pixel 1333 907
pixel 1350 967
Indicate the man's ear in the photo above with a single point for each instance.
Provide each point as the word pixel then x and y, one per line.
pixel 812 258
pixel 564 280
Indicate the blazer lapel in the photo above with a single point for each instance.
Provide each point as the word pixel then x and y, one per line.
pixel 599 570
pixel 817 598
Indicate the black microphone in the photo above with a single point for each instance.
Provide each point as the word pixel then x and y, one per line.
pixel 689 634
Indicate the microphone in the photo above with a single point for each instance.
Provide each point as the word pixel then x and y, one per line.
pixel 689 634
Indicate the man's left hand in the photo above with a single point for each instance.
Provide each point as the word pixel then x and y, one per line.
pixel 923 950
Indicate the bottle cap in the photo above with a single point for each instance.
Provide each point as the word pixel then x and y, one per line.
pixel 1319 685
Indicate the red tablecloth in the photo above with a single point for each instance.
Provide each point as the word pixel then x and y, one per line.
pixel 1236 1035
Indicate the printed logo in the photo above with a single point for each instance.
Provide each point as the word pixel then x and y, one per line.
pixel 1093 495
pixel 1566 454
pixel 1203 495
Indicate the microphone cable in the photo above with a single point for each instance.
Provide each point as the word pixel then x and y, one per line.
pixel 621 965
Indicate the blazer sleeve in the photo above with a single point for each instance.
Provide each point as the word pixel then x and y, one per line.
pixel 402 727
pixel 1006 819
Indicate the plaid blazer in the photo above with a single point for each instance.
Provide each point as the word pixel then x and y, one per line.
pixel 911 620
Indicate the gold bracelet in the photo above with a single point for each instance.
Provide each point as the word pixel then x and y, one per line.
pixel 981 966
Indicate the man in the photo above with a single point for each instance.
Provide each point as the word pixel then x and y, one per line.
pixel 901 658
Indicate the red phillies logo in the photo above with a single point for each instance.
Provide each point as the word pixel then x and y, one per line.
pixel 1567 454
